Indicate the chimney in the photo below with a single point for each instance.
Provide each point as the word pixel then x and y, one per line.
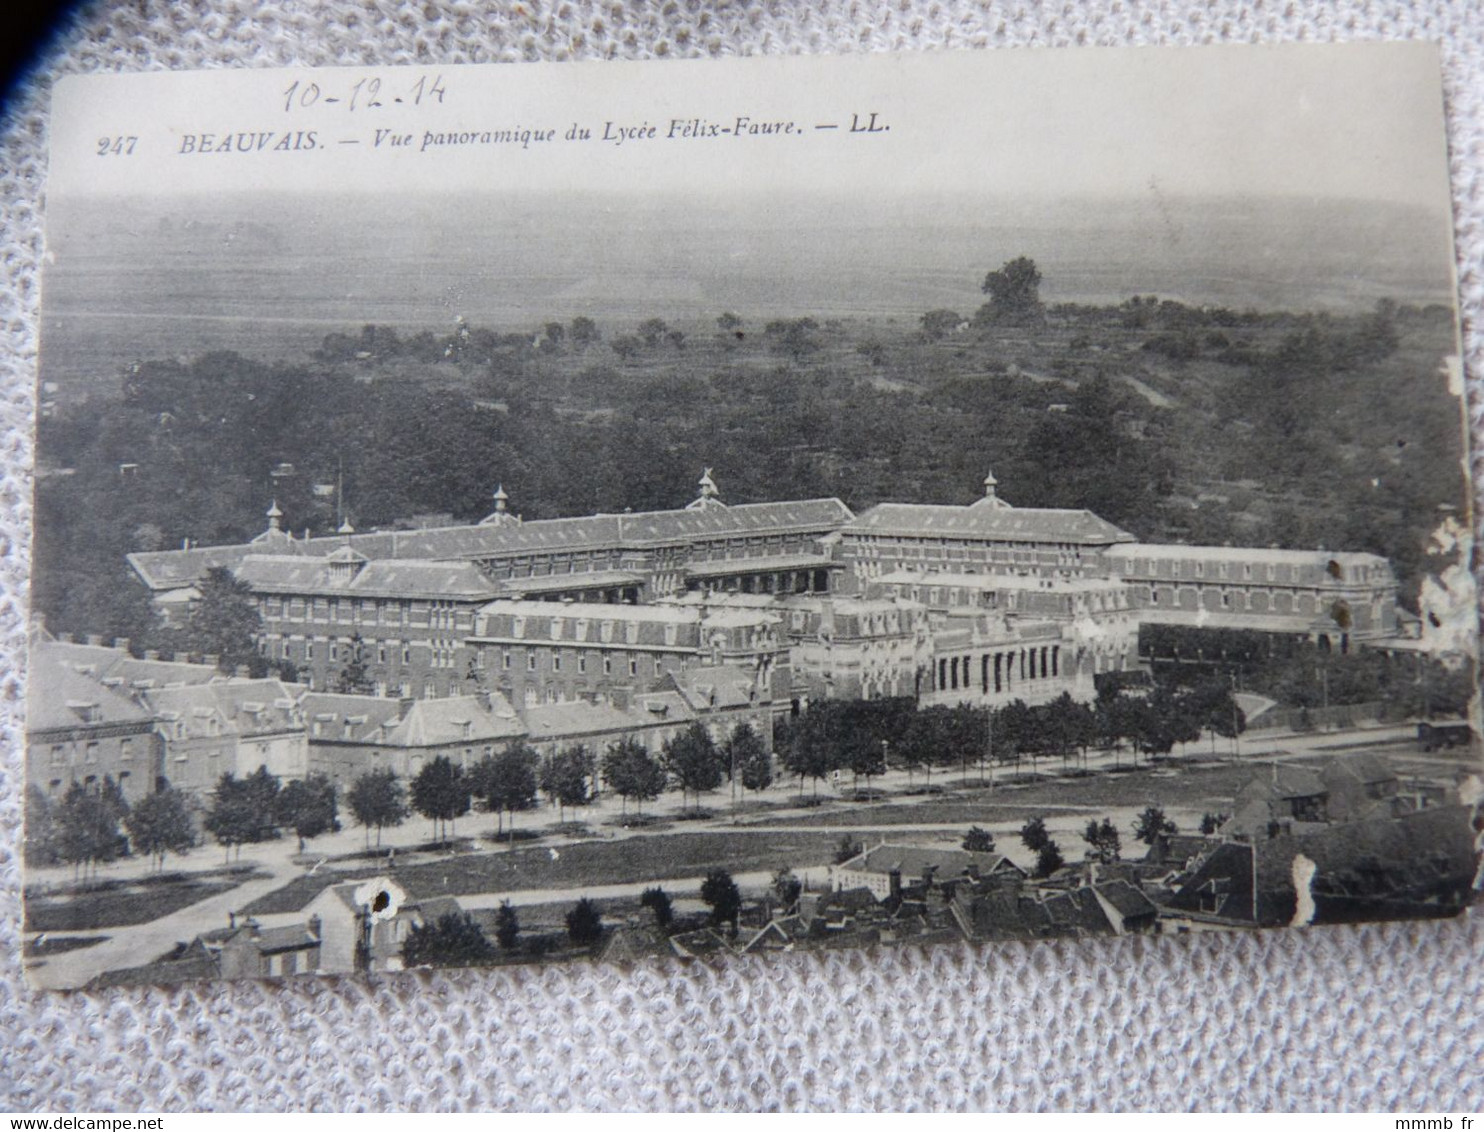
pixel 894 881
pixel 151 654
pixel 314 925
pixel 243 671
pixel 95 639
pixel 121 643
pixel 212 659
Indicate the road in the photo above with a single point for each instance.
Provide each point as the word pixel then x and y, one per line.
pixel 278 862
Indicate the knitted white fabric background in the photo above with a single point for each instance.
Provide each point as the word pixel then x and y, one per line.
pixel 1381 1018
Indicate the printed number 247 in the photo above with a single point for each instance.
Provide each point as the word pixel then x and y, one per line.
pixel 117 147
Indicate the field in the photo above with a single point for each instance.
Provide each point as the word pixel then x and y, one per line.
pixel 116 905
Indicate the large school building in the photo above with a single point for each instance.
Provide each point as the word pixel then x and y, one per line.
pixel 984 602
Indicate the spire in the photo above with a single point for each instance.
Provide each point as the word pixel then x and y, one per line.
pixel 710 495
pixel 991 495
pixel 346 529
pixel 501 514
pixel 275 533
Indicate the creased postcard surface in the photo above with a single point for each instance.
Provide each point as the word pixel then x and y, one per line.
pixel 533 514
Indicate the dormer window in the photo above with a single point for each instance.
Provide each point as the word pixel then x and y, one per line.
pixel 85 711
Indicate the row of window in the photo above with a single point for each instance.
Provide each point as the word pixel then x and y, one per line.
pixel 90 752
pixel 999 669
pixel 436 614
pixel 554 663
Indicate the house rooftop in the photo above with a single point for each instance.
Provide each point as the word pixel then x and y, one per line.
pixel 988 523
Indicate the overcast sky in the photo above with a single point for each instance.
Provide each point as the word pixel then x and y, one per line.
pixel 1359 121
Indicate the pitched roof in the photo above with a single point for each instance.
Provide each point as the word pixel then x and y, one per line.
pixel 1126 898
pixel 241 707
pixel 61 697
pixel 1250 554
pixel 913 861
pixel 170 569
pixel 458 581
pixel 710 687
pixel 989 523
pixel 574 719
pixel 348 718
pixel 1077 912
pixel 457 719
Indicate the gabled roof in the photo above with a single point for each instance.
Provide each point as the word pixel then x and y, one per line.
pixel 116 666
pixel 991 524
pixel 1285 781
pixel 715 687
pixel 1179 552
pixel 694 945
pixel 171 569
pixel 1077 912
pixel 456 581
pixel 457 719
pixel 913 861
pixel 575 719
pixel 348 718
pixel 241 707
pixel 60 697
pixel 1126 898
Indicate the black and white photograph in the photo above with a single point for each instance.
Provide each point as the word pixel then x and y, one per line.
pixel 674 511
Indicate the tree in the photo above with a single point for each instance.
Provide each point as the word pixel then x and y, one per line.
pixel 812 748
pixel 626 346
pixel 787 889
pixel 651 330
pixel 692 759
pixel 552 335
pixel 1151 824
pixel 978 840
pixel 719 893
pixel 507 926
pixel 378 799
pixel 657 900
pixel 41 828
pixel 676 338
pixel 308 807
pixel 793 336
pixel 846 848
pixel 1210 823
pixel 455 940
pixel 1102 840
pixel 939 323
pixel 1033 834
pixel 225 622
pixel 585 923
pixel 565 776
pixel 355 677
pixel 87 825
pixel 729 323
pixel 1048 859
pixel 160 823
pixel 244 810
pixel 635 774
pixel 749 758
pixel 1014 294
pixel 585 331
pixel 440 792
pixel 506 782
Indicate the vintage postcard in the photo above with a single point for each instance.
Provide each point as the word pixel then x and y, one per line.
pixel 541 514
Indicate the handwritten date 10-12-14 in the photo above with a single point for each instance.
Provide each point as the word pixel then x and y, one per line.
pixel 363 94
